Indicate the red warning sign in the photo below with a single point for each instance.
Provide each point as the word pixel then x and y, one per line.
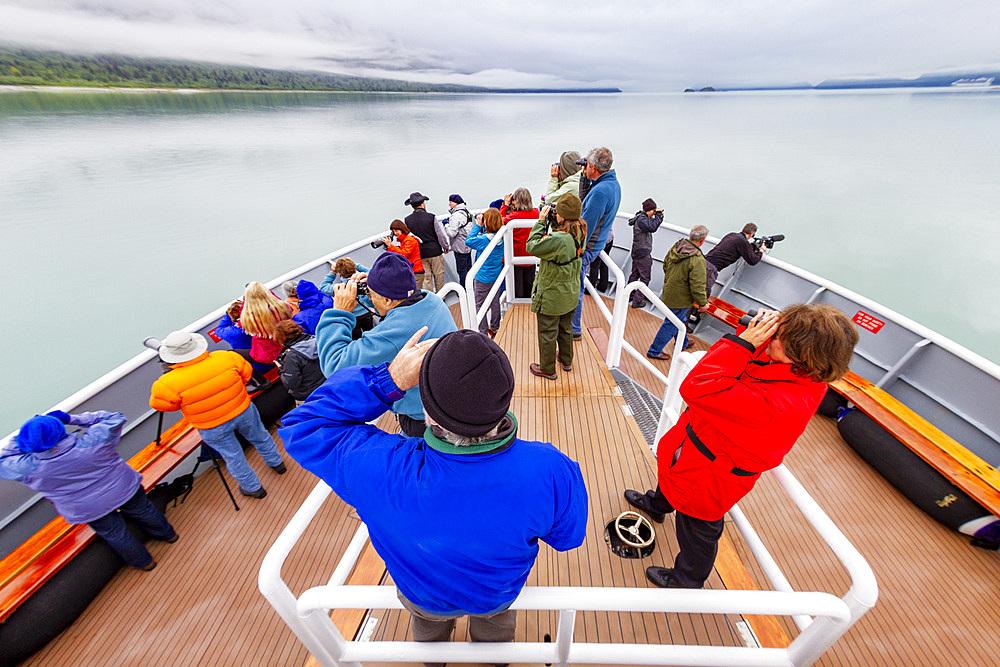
pixel 869 322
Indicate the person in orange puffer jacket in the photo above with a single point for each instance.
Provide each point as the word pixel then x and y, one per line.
pixel 209 389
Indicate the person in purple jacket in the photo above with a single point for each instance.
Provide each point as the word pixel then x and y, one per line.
pixel 86 479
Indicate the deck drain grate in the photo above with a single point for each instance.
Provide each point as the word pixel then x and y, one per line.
pixel 645 409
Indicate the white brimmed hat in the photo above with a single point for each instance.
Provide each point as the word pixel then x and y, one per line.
pixel 182 346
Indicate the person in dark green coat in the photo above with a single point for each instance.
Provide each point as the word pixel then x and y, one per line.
pixel 683 288
pixel 556 290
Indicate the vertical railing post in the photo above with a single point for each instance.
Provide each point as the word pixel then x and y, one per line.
pixel 564 635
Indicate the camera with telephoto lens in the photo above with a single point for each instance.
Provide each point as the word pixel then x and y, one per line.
pixel 766 241
pixel 378 244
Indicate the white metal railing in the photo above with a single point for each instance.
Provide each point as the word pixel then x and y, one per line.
pixel 506 276
pixel 463 301
pixel 822 617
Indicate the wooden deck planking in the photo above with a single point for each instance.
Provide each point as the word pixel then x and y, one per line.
pixel 936 592
pixel 937 601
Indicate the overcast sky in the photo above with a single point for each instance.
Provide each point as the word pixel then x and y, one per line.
pixel 652 45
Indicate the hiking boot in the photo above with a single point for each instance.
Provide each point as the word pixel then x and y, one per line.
pixel 172 539
pixel 280 468
pixel 568 368
pixel 577 336
pixel 537 370
pixel 642 501
pixel 662 577
pixel 147 568
pixel 259 493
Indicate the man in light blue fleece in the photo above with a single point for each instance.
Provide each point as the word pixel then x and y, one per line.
pixel 600 207
pixel 392 288
pixel 469 470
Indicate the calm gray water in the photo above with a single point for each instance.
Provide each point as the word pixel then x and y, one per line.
pixel 124 215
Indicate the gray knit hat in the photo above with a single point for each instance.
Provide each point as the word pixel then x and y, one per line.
pixel 568 165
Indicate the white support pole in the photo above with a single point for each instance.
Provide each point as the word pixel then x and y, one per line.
pixel 564 635
pixel 463 301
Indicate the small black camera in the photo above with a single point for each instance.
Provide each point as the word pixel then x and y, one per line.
pixel 362 289
pixel 766 241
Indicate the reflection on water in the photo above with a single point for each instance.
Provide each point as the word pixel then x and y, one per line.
pixel 130 214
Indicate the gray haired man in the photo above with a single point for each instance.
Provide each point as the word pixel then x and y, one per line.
pixel 683 287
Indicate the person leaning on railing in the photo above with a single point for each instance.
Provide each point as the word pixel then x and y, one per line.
pixel 456 514
pixel 85 478
pixel 488 224
pixel 518 205
pixel 553 296
pixel 261 311
pixel 749 399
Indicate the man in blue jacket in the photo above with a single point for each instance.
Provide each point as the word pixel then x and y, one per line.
pixel 599 209
pixel 457 514
pixel 393 291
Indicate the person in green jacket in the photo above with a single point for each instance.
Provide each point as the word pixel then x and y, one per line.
pixel 556 290
pixel 564 176
pixel 683 287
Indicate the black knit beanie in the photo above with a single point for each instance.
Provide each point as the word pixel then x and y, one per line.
pixel 466 383
pixel 649 205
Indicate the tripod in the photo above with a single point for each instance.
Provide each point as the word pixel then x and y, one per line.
pixel 205 454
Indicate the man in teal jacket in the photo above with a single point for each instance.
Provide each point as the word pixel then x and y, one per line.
pixel 392 288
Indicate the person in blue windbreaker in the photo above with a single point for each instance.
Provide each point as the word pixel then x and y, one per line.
pixel 85 478
pixel 457 513
pixel 393 291
pixel 312 303
pixel 488 224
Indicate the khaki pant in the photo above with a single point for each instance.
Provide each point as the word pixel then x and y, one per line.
pixel 433 273
pixel 554 331
pixel 427 627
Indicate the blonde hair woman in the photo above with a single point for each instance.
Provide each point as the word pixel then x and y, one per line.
pixel 262 310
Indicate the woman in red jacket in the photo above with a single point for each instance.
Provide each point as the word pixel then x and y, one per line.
pixel 405 244
pixel 749 399
pixel 517 206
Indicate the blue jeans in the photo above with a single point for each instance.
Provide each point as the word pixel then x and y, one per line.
pixel 112 528
pixel 222 439
pixel 588 257
pixel 668 331
pixel 463 262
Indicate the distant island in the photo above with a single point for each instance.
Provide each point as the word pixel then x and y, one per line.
pixel 28 67
pixel 968 79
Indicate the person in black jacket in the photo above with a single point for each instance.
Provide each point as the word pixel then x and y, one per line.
pixel 433 241
pixel 732 247
pixel 299 360
pixel 644 223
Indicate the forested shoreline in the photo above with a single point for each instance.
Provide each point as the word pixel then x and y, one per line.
pixel 24 67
